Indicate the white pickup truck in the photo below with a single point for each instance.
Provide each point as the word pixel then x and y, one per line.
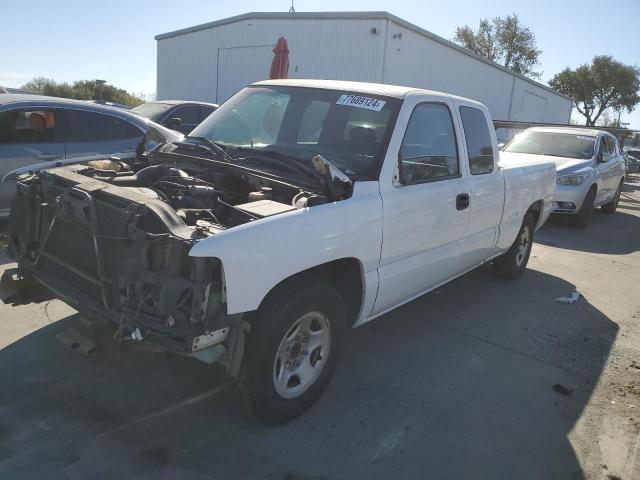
pixel 298 209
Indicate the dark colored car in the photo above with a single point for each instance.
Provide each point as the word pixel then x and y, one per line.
pixel 179 115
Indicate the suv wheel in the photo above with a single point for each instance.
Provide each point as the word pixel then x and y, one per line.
pixel 613 204
pixel 581 219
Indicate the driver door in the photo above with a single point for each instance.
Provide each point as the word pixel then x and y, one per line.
pixel 425 204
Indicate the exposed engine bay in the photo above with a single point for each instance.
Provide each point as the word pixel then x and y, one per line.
pixel 112 238
pixel 208 201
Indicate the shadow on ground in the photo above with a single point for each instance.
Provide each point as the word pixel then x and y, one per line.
pixel 457 384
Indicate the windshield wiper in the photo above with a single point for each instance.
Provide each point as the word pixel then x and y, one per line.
pixel 289 161
pixel 210 146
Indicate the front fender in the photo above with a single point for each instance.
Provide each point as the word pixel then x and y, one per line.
pixel 259 255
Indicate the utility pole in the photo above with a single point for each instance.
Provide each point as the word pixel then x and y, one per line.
pixel 100 83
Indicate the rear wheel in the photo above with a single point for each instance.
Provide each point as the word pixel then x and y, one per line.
pixel 613 204
pixel 511 264
pixel 581 219
pixel 292 351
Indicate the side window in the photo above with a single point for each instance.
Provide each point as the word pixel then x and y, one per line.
pixel 30 126
pixel 478 139
pixel 611 145
pixel 188 114
pixel 312 121
pixel 205 112
pixel 87 126
pixel 606 148
pixel 428 151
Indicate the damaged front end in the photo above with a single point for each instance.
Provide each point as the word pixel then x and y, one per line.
pixel 121 254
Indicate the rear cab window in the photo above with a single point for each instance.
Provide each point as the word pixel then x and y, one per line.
pixel 478 139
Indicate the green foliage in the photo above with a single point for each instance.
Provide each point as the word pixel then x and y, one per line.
pixel 82 90
pixel 604 84
pixel 502 40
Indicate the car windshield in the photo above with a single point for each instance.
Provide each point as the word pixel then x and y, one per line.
pixel 153 111
pixel 567 145
pixel 349 130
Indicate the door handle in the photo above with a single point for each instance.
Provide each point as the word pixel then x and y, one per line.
pixel 462 201
pixel 48 156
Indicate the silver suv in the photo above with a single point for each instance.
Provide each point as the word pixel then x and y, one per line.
pixel 38 132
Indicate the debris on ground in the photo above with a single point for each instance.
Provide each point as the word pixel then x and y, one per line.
pixel 575 295
pixel 561 389
pixel 75 340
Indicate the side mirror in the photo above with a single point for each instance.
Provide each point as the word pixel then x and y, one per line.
pixel 501 145
pixel 174 122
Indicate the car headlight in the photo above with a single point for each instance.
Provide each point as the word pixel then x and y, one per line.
pixel 572 179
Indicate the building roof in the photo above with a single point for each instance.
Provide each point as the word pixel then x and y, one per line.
pixel 377 15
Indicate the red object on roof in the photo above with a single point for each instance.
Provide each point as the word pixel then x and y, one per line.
pixel 280 63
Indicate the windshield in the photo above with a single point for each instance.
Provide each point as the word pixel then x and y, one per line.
pixel 152 111
pixel 351 131
pixel 567 145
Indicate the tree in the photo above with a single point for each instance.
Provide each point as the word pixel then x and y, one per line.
pixel 82 90
pixel 604 84
pixel 502 40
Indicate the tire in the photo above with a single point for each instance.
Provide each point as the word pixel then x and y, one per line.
pixel 512 264
pixel 581 219
pixel 613 204
pixel 317 310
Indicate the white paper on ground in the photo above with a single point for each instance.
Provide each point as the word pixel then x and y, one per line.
pixel 575 295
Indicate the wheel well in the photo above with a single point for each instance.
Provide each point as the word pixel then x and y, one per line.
pixel 345 275
pixel 536 209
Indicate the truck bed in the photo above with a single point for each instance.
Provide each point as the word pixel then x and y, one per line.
pixel 525 183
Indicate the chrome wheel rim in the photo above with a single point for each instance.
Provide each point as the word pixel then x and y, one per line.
pixel 524 241
pixel 302 355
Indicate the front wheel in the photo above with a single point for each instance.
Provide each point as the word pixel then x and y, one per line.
pixel 292 350
pixel 511 264
pixel 582 218
pixel 613 204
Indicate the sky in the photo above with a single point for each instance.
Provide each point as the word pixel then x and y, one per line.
pixel 71 40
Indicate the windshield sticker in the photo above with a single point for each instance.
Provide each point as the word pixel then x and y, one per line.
pixel 361 102
pixel 591 139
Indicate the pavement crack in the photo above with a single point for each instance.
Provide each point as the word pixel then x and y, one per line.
pixel 46 311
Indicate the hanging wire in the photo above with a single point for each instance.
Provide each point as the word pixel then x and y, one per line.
pixel 292 9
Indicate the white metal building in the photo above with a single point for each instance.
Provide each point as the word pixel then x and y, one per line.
pixel 210 62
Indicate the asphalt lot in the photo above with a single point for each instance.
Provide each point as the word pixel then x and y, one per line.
pixel 457 384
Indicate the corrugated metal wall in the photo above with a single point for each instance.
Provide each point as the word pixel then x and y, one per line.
pixel 213 63
pixel 337 49
pixel 412 59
